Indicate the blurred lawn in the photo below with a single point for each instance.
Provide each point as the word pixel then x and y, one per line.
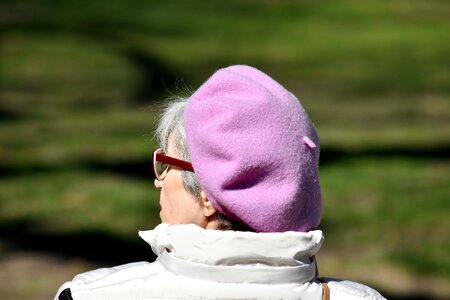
pixel 80 84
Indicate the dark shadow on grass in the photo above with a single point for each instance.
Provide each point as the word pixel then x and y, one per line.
pixel 137 168
pixel 141 168
pixel 330 155
pixel 95 246
pixel 7 115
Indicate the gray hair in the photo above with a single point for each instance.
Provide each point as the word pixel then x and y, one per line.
pixel 171 124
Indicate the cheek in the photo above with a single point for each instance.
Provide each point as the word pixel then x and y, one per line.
pixel 178 206
pixel 172 200
pixel 167 202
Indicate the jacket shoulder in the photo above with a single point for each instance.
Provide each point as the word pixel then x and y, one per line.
pixel 350 290
pixel 100 278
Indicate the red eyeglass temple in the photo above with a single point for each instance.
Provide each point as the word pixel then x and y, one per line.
pixel 174 161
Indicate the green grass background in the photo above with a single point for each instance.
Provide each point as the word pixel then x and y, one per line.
pixel 81 82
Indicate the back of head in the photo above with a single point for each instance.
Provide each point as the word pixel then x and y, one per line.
pixel 254 151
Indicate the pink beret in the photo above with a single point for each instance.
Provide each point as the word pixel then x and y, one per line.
pixel 255 151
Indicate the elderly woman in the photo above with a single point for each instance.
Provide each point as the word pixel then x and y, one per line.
pixel 240 202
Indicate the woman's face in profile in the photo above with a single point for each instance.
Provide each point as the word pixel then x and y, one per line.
pixel 178 205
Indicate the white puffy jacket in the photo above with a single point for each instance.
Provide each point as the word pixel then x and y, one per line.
pixel 194 263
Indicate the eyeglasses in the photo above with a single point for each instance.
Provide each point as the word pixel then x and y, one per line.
pixel 161 164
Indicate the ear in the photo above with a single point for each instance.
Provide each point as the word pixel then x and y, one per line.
pixel 208 209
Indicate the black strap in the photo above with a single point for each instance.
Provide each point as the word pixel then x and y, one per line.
pixel 65 295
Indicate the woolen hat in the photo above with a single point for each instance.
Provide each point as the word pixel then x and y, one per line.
pixel 255 151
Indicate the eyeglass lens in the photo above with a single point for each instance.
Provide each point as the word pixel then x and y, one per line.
pixel 160 168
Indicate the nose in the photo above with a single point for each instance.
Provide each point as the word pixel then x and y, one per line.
pixel 158 183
